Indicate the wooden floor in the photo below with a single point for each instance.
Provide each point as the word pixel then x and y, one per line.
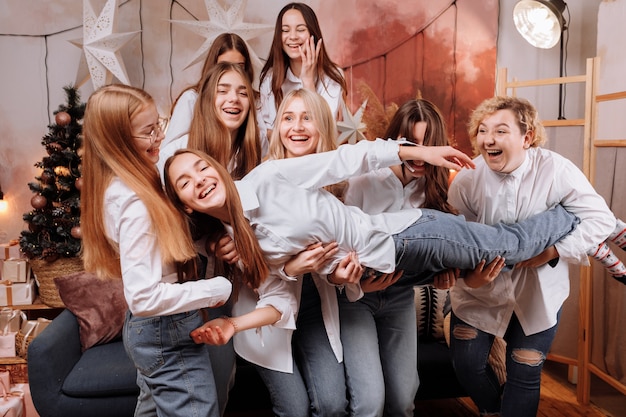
pixel 558 399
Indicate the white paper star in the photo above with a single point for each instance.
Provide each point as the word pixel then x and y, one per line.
pixel 351 127
pixel 221 21
pixel 101 58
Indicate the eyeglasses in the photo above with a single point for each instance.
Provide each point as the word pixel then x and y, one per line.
pixel 161 126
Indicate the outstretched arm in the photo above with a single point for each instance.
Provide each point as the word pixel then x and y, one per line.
pixel 219 331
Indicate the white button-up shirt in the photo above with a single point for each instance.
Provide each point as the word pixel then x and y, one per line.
pixel 535 295
pixel 151 288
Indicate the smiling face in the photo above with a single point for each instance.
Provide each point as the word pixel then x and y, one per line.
pixel 298 131
pixel 295 33
pixel 143 125
pixel 197 184
pixel 501 142
pixel 232 102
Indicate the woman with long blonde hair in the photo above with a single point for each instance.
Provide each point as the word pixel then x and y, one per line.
pixel 132 231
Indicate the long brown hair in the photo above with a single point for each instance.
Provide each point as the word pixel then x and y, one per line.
pixel 208 133
pixel 278 61
pixel 401 125
pixel 252 259
pixel 109 152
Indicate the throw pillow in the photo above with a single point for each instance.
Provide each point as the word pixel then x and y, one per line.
pixel 430 307
pixel 98 304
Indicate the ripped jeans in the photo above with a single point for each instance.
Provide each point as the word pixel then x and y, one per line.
pixel 525 356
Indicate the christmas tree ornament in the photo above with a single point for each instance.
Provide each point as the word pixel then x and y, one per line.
pixel 62 118
pixel 76 232
pixel 78 183
pixel 101 59
pixel 222 21
pixel 38 202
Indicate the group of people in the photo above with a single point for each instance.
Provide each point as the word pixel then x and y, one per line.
pixel 244 228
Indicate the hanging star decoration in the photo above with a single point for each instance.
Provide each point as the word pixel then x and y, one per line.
pixel 101 59
pixel 351 128
pixel 223 20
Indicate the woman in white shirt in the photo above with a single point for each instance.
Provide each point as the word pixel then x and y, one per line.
pixel 298 59
pixel 132 231
pixel 513 180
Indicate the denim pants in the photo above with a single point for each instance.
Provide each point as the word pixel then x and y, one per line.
pixel 438 241
pixel 176 371
pixel 520 396
pixel 317 386
pixel 379 338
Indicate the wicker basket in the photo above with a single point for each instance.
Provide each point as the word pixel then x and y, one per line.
pixel 45 273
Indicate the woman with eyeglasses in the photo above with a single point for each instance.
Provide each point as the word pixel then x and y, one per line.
pixel 133 232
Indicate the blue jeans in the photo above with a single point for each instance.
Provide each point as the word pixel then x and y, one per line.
pixel 176 371
pixel 438 241
pixel 379 337
pixel 520 395
pixel 317 386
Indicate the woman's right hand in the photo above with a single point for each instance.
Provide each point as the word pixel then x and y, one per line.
pixel 482 275
pixel 443 156
pixel 311 259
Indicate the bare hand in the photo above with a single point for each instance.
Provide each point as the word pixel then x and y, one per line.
pixel 225 250
pixel 349 270
pixel 309 52
pixel 214 332
pixel 482 275
pixel 375 282
pixel 539 260
pixel 443 156
pixel 311 259
pixel 446 279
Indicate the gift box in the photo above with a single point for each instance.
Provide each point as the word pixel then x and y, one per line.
pixel 12 405
pixel 9 250
pixel 29 407
pixel 17 293
pixel 15 270
pixel 17 368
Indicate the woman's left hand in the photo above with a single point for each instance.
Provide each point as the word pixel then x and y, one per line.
pixel 348 271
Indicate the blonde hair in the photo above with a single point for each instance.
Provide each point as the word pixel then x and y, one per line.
pixel 525 113
pixel 252 259
pixel 109 152
pixel 320 113
pixel 208 133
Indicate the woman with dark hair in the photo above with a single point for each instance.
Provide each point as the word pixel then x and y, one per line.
pixel 298 59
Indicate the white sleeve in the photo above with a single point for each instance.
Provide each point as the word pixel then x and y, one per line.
pixel 268 104
pixel 180 122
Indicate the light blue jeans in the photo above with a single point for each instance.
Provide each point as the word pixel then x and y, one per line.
pixel 379 337
pixel 317 386
pixel 520 397
pixel 176 371
pixel 438 241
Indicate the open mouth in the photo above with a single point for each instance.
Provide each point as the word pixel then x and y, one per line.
pixel 232 111
pixel 299 138
pixel 207 191
pixel 492 153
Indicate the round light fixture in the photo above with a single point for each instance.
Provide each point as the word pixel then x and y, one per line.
pixel 540 22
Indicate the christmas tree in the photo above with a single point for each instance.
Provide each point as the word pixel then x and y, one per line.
pixel 54 223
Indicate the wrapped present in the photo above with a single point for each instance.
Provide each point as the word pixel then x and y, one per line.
pixel 18 369
pixel 16 270
pixel 29 407
pixel 7 345
pixel 17 293
pixel 12 404
pixel 10 250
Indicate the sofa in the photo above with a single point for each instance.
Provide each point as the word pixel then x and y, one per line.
pixel 100 382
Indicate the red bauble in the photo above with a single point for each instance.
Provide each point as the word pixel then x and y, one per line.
pixel 47 177
pixel 78 183
pixel 63 118
pixel 38 201
pixel 76 232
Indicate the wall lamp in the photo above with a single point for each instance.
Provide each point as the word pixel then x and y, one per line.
pixel 3 203
pixel 542 24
